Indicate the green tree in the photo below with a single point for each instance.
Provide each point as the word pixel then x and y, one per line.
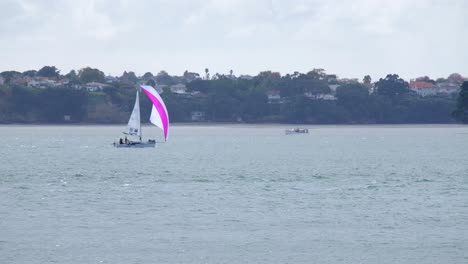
pixel 392 86
pixel 461 112
pixel 164 78
pixel 313 83
pixel 207 74
pixel 10 75
pixel 49 72
pixel 425 79
pixel 151 83
pixel 203 86
pixel 56 103
pixel 295 110
pixel 350 94
pixel 428 109
pixel 221 107
pixel 72 76
pixel 254 105
pixel 177 106
pixel 147 76
pixel 190 76
pixel 354 98
pixel 24 99
pixel 318 74
pixel 268 80
pixel 367 80
pixel 30 73
pixel 89 74
pixel 455 78
pixel 129 78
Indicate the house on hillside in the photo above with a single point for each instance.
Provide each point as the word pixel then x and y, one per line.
pixel 111 79
pixel 41 82
pixel 22 80
pixel 2 80
pixel 62 82
pixel 160 88
pixel 179 89
pixel 448 88
pixel 246 77
pixel 95 86
pixel 273 96
pixel 326 97
pixel 423 88
pixel 333 87
pixel 197 116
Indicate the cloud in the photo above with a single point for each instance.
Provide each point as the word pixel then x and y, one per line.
pixel 350 38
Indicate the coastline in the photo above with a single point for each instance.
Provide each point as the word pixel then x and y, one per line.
pixel 233 124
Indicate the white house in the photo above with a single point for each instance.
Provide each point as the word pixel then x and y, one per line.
pixel 326 97
pixel 41 82
pixel 160 88
pixel 273 96
pixel 246 77
pixel 333 87
pixel 423 88
pixel 179 89
pixel 2 81
pixel 448 88
pixel 62 82
pixel 197 116
pixel 95 86
pixel 111 79
pixel 22 80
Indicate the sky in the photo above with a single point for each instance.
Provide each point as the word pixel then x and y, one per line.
pixel 350 38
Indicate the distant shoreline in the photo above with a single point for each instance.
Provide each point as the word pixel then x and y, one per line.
pixel 215 124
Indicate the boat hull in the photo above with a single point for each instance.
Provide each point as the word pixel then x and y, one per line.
pixel 297 131
pixel 136 145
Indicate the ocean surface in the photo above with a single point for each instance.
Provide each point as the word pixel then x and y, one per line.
pixel 235 194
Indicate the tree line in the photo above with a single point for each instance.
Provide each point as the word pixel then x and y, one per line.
pixel 227 98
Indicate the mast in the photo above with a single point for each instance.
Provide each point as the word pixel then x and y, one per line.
pixel 140 133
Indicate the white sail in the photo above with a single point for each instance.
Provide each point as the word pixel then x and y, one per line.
pixel 159 115
pixel 134 124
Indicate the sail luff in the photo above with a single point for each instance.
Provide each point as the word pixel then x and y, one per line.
pixel 134 124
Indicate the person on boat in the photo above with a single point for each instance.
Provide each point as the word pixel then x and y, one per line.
pixel 126 140
pixel 120 141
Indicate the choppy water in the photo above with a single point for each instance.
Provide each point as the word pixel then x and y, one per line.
pixel 235 194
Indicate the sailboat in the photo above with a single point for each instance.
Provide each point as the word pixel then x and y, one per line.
pixel 159 117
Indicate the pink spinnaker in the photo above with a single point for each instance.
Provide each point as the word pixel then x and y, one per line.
pixel 159 115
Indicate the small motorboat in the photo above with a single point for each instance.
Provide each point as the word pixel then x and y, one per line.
pixel 135 144
pixel 297 131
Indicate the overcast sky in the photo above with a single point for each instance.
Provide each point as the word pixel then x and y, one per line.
pixel 350 38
